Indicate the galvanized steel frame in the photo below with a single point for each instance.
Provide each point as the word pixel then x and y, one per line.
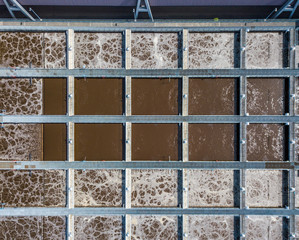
pixel 243 119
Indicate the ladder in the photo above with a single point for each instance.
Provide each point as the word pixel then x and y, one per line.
pixel 289 6
pixel 14 6
pixel 143 6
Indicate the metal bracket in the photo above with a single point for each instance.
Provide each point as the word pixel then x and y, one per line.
pixel 14 6
pixel 143 6
pixel 289 6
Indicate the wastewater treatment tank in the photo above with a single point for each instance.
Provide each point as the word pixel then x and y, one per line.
pixel 167 130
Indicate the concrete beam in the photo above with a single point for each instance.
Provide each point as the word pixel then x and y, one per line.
pixel 185 227
pixel 70 228
pixel 185 49
pixel 292 48
pixel 71 96
pixel 243 96
pixel 70 48
pixel 128 234
pixel 127 48
pixel 70 177
pixel 185 97
pixel 128 94
pixel 243 33
pixel 243 135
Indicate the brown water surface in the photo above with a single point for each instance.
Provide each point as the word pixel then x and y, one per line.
pixel 94 142
pixel 212 96
pixel 54 96
pixel 210 142
pixel 98 96
pixel 155 142
pixel 154 96
pixel 54 142
pixel 265 96
pixel 266 142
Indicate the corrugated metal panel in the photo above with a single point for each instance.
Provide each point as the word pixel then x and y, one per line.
pixel 153 2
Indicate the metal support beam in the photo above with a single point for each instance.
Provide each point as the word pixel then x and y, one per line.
pixel 233 165
pixel 148 119
pixel 143 6
pixel 192 26
pixel 288 6
pixel 86 211
pixel 15 6
pixel 143 73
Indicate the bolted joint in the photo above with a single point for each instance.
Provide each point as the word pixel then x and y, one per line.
pixel 70 141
